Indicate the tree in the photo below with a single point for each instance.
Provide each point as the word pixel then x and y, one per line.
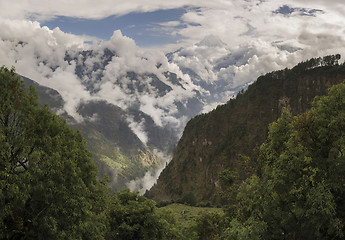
pixel 131 216
pixel 189 199
pixel 300 194
pixel 48 181
pixel 208 226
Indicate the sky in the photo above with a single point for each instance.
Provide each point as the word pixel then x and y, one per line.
pixel 153 23
pixel 144 28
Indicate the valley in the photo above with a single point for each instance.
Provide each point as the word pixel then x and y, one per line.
pixel 172 120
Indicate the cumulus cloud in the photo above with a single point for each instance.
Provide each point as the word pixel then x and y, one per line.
pixel 42 10
pixel 218 17
pixel 252 28
pixel 38 53
pixel 234 22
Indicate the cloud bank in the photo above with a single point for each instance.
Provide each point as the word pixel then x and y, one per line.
pixel 234 22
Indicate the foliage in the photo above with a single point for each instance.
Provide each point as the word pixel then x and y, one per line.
pixel 135 217
pixel 300 194
pixel 225 137
pixel 330 60
pixel 208 226
pixel 188 198
pixel 48 181
pixel 192 221
pixel 48 185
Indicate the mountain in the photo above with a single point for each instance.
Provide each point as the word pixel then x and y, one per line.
pixel 45 94
pixel 128 116
pixel 128 105
pixel 117 151
pixel 229 136
pixel 144 95
pixel 131 106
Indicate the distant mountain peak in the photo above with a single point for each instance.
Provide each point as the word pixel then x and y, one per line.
pixel 211 41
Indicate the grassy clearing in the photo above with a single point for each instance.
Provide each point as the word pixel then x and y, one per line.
pixel 112 163
pixel 187 215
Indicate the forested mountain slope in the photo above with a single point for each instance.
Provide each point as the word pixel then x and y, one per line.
pixel 117 151
pixel 227 137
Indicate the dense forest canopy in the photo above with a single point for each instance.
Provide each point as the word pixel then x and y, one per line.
pixel 48 181
pixel 299 193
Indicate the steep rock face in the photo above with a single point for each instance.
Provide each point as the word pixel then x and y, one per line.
pixel 218 140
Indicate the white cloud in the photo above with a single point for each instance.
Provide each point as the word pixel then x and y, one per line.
pixel 70 89
pixel 138 128
pixel 38 53
pixel 144 183
pixel 42 10
pixel 122 45
pixel 234 22
pixel 170 24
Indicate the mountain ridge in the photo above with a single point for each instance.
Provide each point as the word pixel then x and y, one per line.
pixel 116 149
pixel 226 137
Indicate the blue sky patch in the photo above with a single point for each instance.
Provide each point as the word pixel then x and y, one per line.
pixel 144 28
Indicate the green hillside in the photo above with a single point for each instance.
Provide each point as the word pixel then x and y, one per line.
pixel 187 215
pixel 229 136
pixel 116 150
